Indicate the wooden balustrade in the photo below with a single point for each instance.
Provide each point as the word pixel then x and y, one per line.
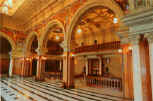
pixel 53 75
pixel 98 47
pixel 103 82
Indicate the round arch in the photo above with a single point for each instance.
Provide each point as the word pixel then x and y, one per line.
pixel 110 4
pixel 29 42
pixel 50 25
pixel 11 41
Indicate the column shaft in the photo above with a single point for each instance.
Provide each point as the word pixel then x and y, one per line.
pixel 151 63
pixel 86 66
pixel 39 68
pixel 138 94
pixel 68 70
pixel 11 66
pixel 128 73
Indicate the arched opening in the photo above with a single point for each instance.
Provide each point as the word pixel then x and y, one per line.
pixel 97 50
pixel 5 49
pixel 54 55
pixel 34 46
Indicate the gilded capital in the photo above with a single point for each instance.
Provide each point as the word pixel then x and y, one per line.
pixel 149 37
pixel 41 51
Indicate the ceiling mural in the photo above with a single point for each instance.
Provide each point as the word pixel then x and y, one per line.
pixel 36 9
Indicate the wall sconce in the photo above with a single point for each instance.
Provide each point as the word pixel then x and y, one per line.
pixel 120 50
pixel 129 48
pixel 27 59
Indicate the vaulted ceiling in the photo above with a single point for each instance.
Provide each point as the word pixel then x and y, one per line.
pixel 23 10
pixel 98 23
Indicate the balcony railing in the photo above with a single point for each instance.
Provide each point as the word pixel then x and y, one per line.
pixel 98 47
pixel 114 83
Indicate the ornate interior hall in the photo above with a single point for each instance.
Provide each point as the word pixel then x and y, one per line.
pixel 76 50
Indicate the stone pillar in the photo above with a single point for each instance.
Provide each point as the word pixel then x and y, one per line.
pixel 86 66
pixel 68 67
pixel 68 70
pixel 100 66
pixel 30 74
pixel 150 40
pixel 127 72
pixel 23 67
pixel 39 68
pixel 40 63
pixel 137 79
pixel 60 65
pixel 11 66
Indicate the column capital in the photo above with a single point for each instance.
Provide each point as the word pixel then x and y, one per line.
pixel 134 39
pixel 41 51
pixel 64 45
pixel 12 53
pixel 149 37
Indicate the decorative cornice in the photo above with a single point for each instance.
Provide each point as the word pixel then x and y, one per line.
pixel 64 45
pixel 41 51
pixel 134 39
pixel 142 17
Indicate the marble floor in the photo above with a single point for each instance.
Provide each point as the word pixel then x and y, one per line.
pixel 27 89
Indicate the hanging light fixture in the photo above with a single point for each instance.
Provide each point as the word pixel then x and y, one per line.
pixel 57 37
pixel 79 30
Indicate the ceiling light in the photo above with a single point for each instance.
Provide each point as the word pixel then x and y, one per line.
pixel 120 50
pixel 79 31
pixel 130 48
pixel 57 37
pixel 115 20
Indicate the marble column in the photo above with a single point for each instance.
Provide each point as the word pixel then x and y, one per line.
pixel 11 66
pixel 68 70
pixel 137 79
pixel 39 68
pixel 23 67
pixel 100 66
pixel 30 74
pixel 68 66
pixel 127 72
pixel 150 40
pixel 86 66
pixel 60 65
pixel 40 63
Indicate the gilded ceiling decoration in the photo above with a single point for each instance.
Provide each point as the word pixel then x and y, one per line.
pixel 31 12
pixel 56 34
pixel 97 21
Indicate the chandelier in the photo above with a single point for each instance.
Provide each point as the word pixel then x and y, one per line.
pixel 5 5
